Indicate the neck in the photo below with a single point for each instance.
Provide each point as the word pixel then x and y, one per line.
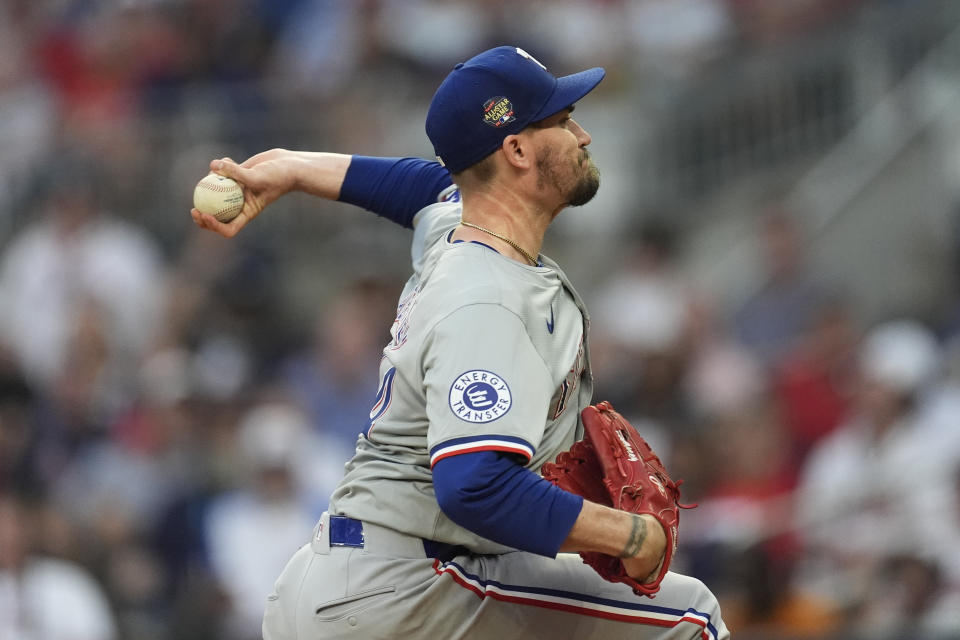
pixel 507 215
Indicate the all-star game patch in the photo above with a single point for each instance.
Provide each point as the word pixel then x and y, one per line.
pixel 479 396
pixel 498 111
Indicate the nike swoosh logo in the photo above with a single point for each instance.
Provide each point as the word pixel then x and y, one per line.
pixel 550 321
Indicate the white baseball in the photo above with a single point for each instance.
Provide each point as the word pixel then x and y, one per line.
pixel 218 196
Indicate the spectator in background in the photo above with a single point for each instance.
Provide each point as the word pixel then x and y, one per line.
pixel 44 598
pixel 740 538
pixel 280 452
pixel 77 261
pixel 907 600
pixel 642 330
pixel 814 382
pixel 721 379
pixel 20 468
pixel 863 492
pixel 743 478
pixel 118 485
pixel 335 379
pixel 939 534
pixel 774 318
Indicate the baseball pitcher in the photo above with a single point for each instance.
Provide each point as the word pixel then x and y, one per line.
pixel 483 470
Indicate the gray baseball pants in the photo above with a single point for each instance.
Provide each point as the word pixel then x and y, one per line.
pixel 390 588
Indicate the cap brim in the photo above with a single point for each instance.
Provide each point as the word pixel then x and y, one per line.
pixel 569 90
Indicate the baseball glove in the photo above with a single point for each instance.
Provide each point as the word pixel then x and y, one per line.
pixel 614 466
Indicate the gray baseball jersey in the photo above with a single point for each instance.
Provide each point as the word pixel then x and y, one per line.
pixel 487 354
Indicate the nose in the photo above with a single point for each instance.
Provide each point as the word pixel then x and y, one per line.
pixel 583 138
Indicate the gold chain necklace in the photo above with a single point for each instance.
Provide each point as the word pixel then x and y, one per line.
pixel 510 242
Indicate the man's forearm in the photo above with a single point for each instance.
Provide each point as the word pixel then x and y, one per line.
pixel 638 539
pixel 317 173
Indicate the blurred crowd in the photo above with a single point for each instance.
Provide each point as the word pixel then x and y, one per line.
pixel 824 453
pixel 173 418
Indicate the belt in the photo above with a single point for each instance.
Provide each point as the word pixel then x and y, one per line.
pixel 348 532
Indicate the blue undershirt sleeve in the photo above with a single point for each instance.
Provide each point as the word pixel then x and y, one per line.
pixel 393 188
pixel 490 494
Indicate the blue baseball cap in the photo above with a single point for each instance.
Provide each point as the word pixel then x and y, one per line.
pixel 493 95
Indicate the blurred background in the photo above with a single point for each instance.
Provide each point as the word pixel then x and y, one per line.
pixel 772 267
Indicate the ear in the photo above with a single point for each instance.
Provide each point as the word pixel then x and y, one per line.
pixel 518 151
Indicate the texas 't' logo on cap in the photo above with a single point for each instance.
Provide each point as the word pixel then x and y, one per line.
pixel 498 111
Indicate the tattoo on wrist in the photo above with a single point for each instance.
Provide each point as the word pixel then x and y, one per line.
pixel 638 533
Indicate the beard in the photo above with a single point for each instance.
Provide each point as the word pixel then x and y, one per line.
pixel 577 182
pixel 586 187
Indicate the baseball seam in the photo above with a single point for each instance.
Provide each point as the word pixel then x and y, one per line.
pixel 216 187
